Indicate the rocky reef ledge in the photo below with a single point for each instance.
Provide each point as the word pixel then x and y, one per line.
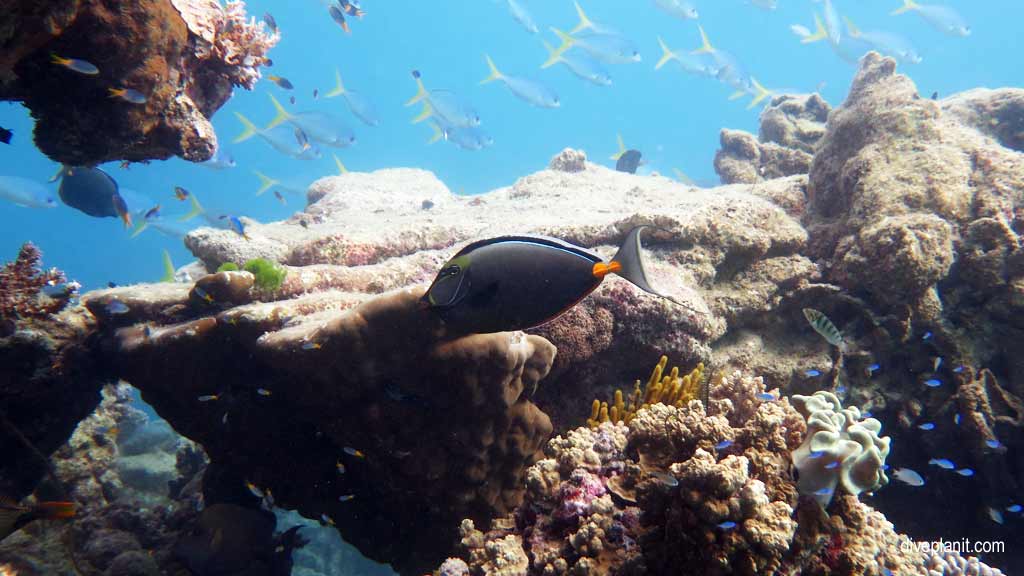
pixel 333 393
pixel 182 56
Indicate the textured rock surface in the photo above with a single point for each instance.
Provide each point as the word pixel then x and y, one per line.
pixel 791 126
pixel 185 56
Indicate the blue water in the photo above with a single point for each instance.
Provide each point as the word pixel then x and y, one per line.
pixel 672 117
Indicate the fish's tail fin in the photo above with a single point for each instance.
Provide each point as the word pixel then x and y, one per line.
pixel 851 28
pixel 908 5
pixel 197 209
pixel 266 182
pixel 495 73
pixel 139 228
pixel 168 268
pixel 341 167
pixel 554 54
pixel 737 95
pixel 438 133
pixel 666 54
pixel 622 147
pixel 282 114
pixel 54 510
pixel 682 177
pixel 339 88
pixel 819 32
pixel 705 44
pixel 249 131
pixel 628 263
pixel 585 23
pixel 421 90
pixel 760 93
pixel 427 112
pixel 55 59
pixel 115 92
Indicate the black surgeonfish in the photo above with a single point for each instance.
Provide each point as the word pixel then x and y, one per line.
pixel 517 282
pixel 628 162
pixel 94 192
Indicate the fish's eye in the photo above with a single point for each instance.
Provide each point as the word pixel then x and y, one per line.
pixel 451 270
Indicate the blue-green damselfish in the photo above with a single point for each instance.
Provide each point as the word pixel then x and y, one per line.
pixel 518 282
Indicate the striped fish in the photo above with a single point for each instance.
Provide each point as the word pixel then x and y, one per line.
pixel 822 325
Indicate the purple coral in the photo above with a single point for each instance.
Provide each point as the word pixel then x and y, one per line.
pixel 21 289
pixel 575 496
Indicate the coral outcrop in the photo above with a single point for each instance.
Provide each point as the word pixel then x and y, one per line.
pixel 339 409
pixel 791 126
pixel 183 56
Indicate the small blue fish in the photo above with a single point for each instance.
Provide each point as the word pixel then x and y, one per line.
pixel 117 307
pixel 823 492
pixel 927 426
pixel 908 476
pixel 993 443
pixel 354 452
pixel 873 368
pixel 816 454
pixel 942 463
pixel 867 414
pixel 727 525
pixel 346 497
pixel 1015 508
pixel 766 397
pixel 812 373
pixel 723 444
pixel 840 390
pixel 995 515
pixel 933 383
pixel 965 472
pixel 832 465
pixel 885 467
pixel 956 419
pixel 958 369
pixel 927 335
pixel 128 95
pixel 237 226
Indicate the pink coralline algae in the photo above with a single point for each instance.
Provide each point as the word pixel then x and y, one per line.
pixel 576 496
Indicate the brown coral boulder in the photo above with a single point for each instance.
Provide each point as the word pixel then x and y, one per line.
pixel 367 413
pixel 183 56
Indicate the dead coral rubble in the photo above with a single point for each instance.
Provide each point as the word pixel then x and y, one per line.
pixel 22 285
pixel 184 56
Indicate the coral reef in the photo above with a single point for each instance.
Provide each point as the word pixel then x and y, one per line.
pixel 23 290
pixel 840 449
pixel 681 487
pixel 184 56
pixel 669 389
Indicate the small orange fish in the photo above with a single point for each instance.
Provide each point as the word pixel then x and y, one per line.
pixel 209 397
pixel 280 81
pixel 353 452
pixel 180 193
pixel 14 516
pixel 346 497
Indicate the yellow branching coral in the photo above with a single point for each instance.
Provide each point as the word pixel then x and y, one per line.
pixel 667 389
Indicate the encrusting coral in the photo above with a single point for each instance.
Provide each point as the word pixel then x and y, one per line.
pixel 669 389
pixel 22 285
